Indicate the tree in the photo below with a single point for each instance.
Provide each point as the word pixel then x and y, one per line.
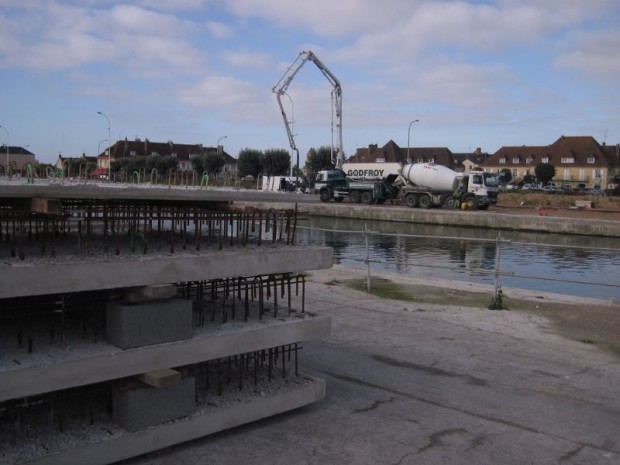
pixel 506 175
pixel 276 162
pixel 318 160
pixel 211 163
pixel 250 163
pixel 544 172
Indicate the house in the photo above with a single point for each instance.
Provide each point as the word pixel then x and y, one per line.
pixel 579 161
pixel 392 153
pixel 184 153
pixel 17 157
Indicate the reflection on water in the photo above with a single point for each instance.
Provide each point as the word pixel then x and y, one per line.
pixel 575 265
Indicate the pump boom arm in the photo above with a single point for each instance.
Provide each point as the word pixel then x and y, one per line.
pixel 282 85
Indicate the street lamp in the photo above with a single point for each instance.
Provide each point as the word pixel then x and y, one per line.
pixel 218 143
pixel 109 152
pixel 6 168
pixel 408 134
pixel 99 146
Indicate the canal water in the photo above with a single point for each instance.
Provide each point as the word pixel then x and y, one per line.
pixel 565 264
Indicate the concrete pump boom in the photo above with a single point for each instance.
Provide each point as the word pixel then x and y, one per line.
pixel 280 88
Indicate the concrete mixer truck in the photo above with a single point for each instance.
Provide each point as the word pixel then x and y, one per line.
pixel 422 185
pixel 428 185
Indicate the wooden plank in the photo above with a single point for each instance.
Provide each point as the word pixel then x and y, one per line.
pixel 152 292
pixel 160 378
pixel 45 205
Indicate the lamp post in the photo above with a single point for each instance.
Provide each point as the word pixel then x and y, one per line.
pixel 6 168
pixel 109 152
pixel 408 134
pixel 218 143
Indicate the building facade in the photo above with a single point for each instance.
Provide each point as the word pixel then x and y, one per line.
pixel 579 161
pixel 184 153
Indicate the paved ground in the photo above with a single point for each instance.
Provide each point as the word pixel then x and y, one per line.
pixel 433 385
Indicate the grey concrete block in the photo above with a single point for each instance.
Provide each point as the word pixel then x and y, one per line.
pixel 139 406
pixel 147 323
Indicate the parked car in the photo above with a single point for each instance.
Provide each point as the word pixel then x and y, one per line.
pixel 549 189
pixel 594 191
pixel 530 187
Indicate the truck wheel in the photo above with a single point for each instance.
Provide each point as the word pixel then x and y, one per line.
pixel 367 197
pixel 355 197
pixel 425 201
pixel 411 200
pixel 325 195
pixel 449 202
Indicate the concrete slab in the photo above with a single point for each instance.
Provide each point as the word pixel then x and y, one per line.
pixel 113 363
pixel 111 272
pixel 187 429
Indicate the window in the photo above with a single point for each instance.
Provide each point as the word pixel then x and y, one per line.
pixel 567 160
pixel 545 160
pixel 380 160
pixel 132 153
pixel 516 160
pixel 174 155
pixel 582 174
pixel 591 159
pixel 431 160
pixel 529 160
pixel 502 160
pixel 567 175
pixel 597 173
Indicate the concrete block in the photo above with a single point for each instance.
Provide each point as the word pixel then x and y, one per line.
pixel 148 323
pixel 137 407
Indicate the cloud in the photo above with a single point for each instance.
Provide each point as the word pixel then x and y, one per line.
pixel 227 96
pixel 60 36
pixel 242 59
pixel 324 17
pixel 220 30
pixel 593 53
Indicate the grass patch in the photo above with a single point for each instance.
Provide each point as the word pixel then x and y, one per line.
pixel 592 325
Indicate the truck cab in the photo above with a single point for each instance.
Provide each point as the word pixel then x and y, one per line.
pixel 484 186
pixel 329 181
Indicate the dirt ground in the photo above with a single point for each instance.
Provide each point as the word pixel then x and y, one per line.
pixel 523 203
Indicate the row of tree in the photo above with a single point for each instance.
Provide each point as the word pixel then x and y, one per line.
pixel 543 173
pixel 277 162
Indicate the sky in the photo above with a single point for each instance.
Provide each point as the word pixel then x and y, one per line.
pixel 476 73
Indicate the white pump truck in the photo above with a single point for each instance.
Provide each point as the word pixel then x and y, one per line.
pixel 331 184
pixel 337 153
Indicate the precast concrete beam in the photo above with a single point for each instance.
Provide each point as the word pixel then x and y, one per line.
pixel 186 429
pixel 113 363
pixel 91 274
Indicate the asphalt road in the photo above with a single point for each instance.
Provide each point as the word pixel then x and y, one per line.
pixel 429 384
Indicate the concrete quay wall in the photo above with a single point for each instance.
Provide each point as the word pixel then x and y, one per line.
pixel 470 219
